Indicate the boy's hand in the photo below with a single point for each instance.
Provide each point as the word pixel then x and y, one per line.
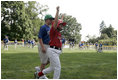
pixel 57 8
pixel 62 17
pixel 43 50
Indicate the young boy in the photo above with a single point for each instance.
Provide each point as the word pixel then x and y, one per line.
pixel 55 48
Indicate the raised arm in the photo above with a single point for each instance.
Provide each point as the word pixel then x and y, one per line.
pixel 62 17
pixel 56 18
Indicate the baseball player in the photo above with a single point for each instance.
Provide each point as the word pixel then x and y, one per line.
pixel 6 41
pixel 33 43
pixel 44 42
pixel 23 42
pixel 96 46
pixel 29 43
pixel 15 43
pixel 63 41
pixel 100 47
pixel 55 48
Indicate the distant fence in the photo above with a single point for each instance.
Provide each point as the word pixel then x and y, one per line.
pixel 91 47
pixel 18 43
pixel 67 46
pixel 109 47
pixel 104 47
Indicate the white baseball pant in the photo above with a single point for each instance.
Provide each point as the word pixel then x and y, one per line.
pixel 55 65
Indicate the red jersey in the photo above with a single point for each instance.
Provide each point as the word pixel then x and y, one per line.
pixel 55 38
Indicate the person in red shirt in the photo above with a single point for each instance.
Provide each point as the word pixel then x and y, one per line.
pixel 55 48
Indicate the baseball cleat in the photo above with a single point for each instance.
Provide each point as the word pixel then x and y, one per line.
pixel 36 76
pixel 43 77
pixel 36 73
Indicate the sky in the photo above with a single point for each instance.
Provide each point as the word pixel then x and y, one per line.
pixel 89 13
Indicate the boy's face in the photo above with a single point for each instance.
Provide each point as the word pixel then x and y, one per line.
pixel 60 27
pixel 6 37
pixel 49 21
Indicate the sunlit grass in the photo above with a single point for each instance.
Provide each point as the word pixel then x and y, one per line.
pixel 76 64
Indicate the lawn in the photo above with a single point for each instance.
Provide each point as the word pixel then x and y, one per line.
pixel 76 64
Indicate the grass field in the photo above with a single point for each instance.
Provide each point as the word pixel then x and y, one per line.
pixel 76 64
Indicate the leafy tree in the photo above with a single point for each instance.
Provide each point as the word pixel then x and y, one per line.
pixel 109 31
pixel 35 9
pixel 104 36
pixel 12 14
pixel 72 29
pixel 21 20
pixel 102 26
pixel 108 35
pixel 88 36
pixel 92 39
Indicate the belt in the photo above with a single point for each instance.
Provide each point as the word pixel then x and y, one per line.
pixel 55 47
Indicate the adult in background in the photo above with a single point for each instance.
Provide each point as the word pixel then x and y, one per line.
pixel 100 47
pixel 33 43
pixel 15 43
pixel 23 42
pixel 6 41
pixel 29 43
pixel 96 46
pixel 63 41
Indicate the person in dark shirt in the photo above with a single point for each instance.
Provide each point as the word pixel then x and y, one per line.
pixel 15 43
pixel 6 41
pixel 63 41
pixel 96 46
pixel 43 45
pixel 100 47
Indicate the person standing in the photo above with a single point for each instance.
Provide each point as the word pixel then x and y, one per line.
pixel 55 48
pixel 6 41
pixel 43 45
pixel 100 47
pixel 96 46
pixel 63 41
pixel 15 43
pixel 29 43
pixel 33 43
pixel 23 42
pixel 44 40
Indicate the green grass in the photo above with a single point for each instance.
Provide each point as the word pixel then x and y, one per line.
pixel 76 64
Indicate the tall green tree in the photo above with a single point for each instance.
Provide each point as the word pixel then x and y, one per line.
pixel 102 26
pixel 33 10
pixel 104 36
pixel 109 31
pixel 21 20
pixel 72 29
pixel 12 13
pixel 107 35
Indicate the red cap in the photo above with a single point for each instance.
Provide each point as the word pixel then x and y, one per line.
pixel 61 22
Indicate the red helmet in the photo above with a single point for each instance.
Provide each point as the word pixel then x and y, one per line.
pixel 61 22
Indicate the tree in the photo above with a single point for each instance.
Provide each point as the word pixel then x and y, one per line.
pixel 108 35
pixel 92 39
pixel 35 10
pixel 102 26
pixel 104 36
pixel 109 31
pixel 72 29
pixel 21 20
pixel 12 14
